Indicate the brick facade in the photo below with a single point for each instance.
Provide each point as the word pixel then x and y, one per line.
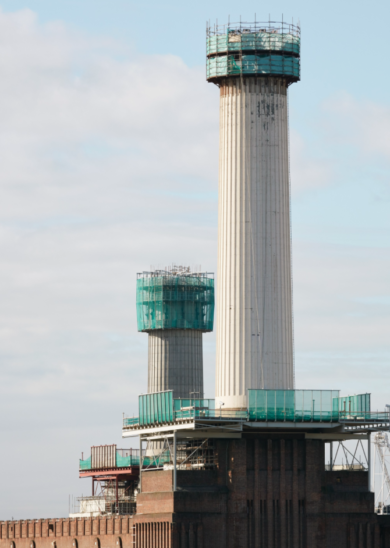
pixel 68 533
pixel 269 491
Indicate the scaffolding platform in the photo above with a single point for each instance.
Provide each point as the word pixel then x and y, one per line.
pixel 303 410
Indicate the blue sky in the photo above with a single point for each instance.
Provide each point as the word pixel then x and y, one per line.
pixel 344 47
pixel 109 164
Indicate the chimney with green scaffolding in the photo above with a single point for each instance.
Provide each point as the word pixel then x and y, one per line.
pixel 175 306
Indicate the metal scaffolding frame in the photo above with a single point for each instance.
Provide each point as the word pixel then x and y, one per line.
pixel 168 452
pixel 350 459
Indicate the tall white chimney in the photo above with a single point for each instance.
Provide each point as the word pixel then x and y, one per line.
pixel 253 65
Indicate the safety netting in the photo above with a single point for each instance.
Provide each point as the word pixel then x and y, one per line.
pixel 262 65
pixel 254 49
pixel 157 461
pixel 156 408
pixel 130 421
pixel 121 461
pixel 85 464
pixel 175 302
pixel 127 460
pixel 234 41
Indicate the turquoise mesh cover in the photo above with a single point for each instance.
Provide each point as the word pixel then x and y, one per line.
pixel 262 65
pixel 175 302
pixel 271 52
pixel 254 41
pixel 156 408
pixel 132 421
pixel 157 461
pixel 86 464
pixel 130 460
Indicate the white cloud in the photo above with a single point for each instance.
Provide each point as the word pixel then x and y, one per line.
pixel 78 125
pixel 359 122
pixel 346 290
pixel 108 164
pixel 342 314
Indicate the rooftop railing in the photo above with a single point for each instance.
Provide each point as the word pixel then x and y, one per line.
pixel 374 416
pixel 130 421
pixel 124 458
pixel 201 413
pixel 263 406
pixel 293 405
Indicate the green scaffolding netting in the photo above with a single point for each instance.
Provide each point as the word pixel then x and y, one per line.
pixel 175 302
pixel 130 460
pixel 131 421
pixel 157 461
pixel 231 65
pixel 156 407
pixel 121 461
pixel 86 464
pixel 253 41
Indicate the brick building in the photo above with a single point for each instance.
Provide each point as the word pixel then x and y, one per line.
pixel 269 491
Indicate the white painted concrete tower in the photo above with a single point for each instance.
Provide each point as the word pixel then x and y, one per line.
pixel 253 66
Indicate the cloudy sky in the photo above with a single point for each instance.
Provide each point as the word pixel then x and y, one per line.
pixel 109 164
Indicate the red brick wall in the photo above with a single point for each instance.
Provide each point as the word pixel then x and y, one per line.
pixel 345 480
pixel 88 532
pixel 384 523
pixel 155 503
pixel 267 492
pixel 155 482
